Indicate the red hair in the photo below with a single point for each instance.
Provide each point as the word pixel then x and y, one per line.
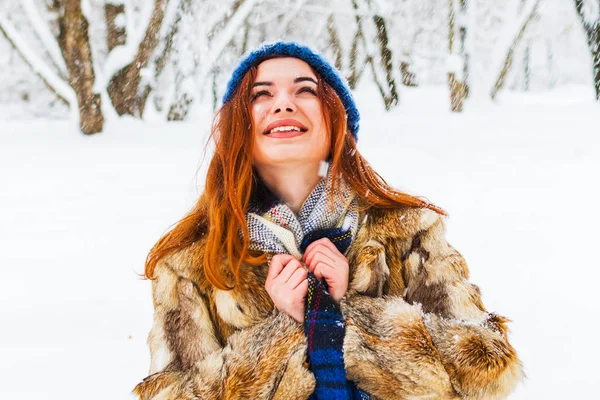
pixel 219 213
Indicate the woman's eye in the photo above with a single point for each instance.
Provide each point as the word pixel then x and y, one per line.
pixel 307 89
pixel 258 94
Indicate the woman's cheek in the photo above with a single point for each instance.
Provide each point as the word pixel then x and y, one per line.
pixel 258 113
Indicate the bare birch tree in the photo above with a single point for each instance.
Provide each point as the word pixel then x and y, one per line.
pixel 124 87
pixel 75 73
pixel 514 38
pixel 72 57
pixel 381 60
pixel 457 73
pixel 589 15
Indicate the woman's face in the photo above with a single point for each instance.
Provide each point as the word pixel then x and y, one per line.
pixel 287 115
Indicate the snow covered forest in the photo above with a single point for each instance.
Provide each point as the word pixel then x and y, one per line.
pixel 165 59
pixel 487 108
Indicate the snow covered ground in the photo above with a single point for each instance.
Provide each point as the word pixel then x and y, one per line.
pixel 78 215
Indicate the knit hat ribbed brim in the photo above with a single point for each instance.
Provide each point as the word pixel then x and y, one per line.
pixel 325 70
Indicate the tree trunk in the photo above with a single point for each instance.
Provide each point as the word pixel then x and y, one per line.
pixel 246 35
pixel 463 45
pixel 511 51
pixel 390 100
pixel 354 67
pixel 115 35
pixel 75 46
pixel 592 31
pixel 387 84
pixel 125 85
pixel 526 60
pixel 334 39
pixel 357 65
pixel 456 85
pixel 594 45
pixel 408 77
pixel 161 60
pixel 457 93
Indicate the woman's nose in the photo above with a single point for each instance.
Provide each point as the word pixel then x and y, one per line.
pixel 283 102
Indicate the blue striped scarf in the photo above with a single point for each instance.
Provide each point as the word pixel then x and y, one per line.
pixel 325 327
pixel 274 228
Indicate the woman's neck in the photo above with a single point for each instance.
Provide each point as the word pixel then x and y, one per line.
pixel 292 184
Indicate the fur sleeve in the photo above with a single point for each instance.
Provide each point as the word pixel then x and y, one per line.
pixel 433 340
pixel 187 362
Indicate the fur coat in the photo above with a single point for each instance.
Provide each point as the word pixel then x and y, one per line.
pixel 415 327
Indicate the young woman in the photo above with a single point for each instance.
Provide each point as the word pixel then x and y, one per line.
pixel 301 274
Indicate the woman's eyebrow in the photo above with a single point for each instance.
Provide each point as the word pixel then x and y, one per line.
pixel 255 84
pixel 304 79
pixel 297 80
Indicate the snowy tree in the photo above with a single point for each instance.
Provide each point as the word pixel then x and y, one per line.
pixel 512 37
pixel 380 58
pixel 212 36
pixel 71 67
pixel 457 60
pixel 166 59
pixel 553 50
pixel 589 14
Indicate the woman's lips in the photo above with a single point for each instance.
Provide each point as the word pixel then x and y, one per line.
pixel 283 123
pixel 285 134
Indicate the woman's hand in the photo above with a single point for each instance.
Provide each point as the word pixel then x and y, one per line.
pixel 287 286
pixel 324 260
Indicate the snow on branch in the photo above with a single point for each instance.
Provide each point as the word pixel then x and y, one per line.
pixel 45 35
pixel 507 44
pixel 342 11
pixel 37 64
pixel 121 56
pixel 129 19
pixel 149 73
pixel 589 13
pixel 222 41
pixel 136 36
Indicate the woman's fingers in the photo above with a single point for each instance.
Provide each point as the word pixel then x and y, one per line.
pixel 289 270
pixel 320 268
pixel 287 282
pixel 321 253
pixel 296 279
pixel 301 289
pixel 322 258
pixel 287 285
pixel 277 264
pixel 325 242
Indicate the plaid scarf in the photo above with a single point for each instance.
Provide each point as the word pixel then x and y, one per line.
pixel 274 228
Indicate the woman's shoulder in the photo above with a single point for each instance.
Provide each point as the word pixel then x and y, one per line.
pixel 399 221
pixel 186 263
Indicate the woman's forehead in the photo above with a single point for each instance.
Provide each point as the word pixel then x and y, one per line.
pixel 283 69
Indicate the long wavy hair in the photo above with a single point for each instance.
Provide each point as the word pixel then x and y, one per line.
pixel 219 214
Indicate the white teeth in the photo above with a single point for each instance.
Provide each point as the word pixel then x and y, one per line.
pixel 285 129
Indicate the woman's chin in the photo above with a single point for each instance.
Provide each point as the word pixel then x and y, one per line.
pixel 286 159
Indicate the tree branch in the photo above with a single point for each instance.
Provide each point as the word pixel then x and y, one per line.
pixel 58 86
pixel 526 18
pixel 224 38
pixel 45 35
pixel 123 87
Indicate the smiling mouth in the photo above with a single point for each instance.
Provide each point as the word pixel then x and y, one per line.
pixel 287 128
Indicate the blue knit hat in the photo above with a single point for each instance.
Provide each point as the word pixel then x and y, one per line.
pixel 325 70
